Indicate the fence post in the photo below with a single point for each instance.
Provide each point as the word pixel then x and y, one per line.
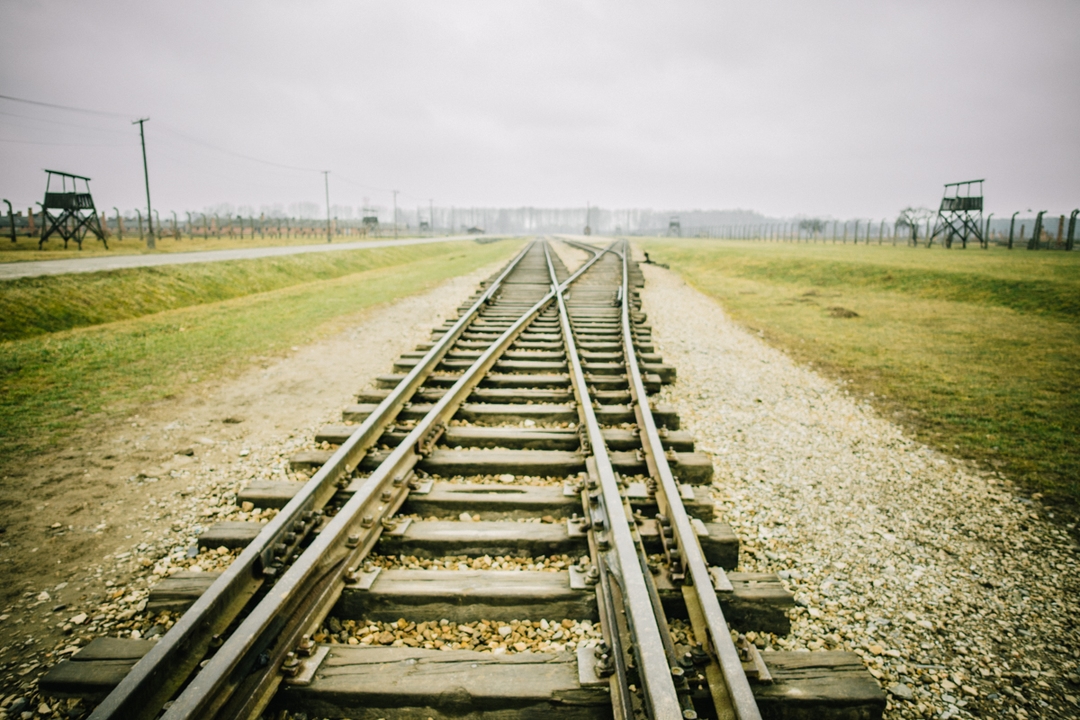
pixel 1072 230
pixel 1036 234
pixel 11 220
pixel 1012 226
pixel 1061 230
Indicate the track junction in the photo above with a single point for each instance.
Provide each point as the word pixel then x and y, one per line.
pixel 524 429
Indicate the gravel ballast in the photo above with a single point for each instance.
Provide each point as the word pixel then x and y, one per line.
pixel 960 594
pixel 172 472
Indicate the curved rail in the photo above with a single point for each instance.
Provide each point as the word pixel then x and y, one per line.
pixel 620 559
pixel 735 698
pixel 163 670
pixel 239 680
pixel 238 675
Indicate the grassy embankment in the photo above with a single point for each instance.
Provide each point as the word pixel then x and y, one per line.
pixel 26 248
pixel 187 322
pixel 977 352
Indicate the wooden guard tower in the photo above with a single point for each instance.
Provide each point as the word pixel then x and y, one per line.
pixel 960 214
pixel 76 214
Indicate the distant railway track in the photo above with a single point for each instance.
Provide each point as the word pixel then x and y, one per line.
pixel 523 430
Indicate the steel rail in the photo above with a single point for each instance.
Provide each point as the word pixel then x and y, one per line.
pixel 163 670
pixel 619 684
pixel 739 694
pixel 661 697
pixel 577 244
pixel 240 678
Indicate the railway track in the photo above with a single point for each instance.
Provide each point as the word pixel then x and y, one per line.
pixel 509 526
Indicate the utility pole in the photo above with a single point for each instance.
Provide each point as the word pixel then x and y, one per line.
pixel 146 176
pixel 395 213
pixel 326 182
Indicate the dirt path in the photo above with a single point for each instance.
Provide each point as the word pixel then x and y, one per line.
pixel 32 268
pixel 97 518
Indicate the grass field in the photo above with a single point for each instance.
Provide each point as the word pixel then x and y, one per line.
pixel 26 248
pixel 60 382
pixel 977 352
pixel 50 303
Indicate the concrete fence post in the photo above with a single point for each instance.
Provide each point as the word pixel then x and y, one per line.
pixel 1036 233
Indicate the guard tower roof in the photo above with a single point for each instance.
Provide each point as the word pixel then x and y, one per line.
pixel 70 175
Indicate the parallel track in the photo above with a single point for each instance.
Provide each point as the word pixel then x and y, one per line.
pixel 541 358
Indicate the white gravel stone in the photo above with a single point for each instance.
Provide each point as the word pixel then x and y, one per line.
pixel 939 574
pixel 544 636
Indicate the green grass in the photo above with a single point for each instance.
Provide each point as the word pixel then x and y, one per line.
pixel 39 305
pixel 977 352
pixel 25 248
pixel 55 384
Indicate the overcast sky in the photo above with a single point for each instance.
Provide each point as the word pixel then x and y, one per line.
pixel 819 108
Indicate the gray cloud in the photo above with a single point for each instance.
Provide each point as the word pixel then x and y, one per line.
pixel 840 108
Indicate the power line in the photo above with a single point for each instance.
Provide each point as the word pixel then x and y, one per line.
pixel 235 154
pixel 62 107
pixel 166 128
pixel 30 142
pixel 64 124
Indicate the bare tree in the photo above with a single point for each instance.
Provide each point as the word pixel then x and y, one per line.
pixel 812 225
pixel 909 220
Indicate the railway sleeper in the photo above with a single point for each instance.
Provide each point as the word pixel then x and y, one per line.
pixel 692 468
pixel 506 380
pixel 604 358
pixel 365 683
pixel 666 372
pixel 493 502
pixel 757 601
pixel 441 538
pixel 507 413
pixel 499 395
pixel 594 346
pixel 463 596
pixel 446 499
pixel 518 438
